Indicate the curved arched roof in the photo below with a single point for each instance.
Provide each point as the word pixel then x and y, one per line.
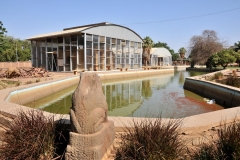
pixel 114 31
pixel 102 29
pixel 160 52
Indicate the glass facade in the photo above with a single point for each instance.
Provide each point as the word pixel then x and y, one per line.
pixel 86 51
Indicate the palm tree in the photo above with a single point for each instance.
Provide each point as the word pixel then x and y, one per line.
pixel 182 52
pixel 237 46
pixel 147 45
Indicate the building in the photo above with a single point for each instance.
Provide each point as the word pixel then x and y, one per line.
pixel 160 57
pixel 99 47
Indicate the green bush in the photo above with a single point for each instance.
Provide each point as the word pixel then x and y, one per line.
pixel 151 139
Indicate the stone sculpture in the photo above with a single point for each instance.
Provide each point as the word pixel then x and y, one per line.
pixel 91 132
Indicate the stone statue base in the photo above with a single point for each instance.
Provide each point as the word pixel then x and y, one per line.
pixel 90 146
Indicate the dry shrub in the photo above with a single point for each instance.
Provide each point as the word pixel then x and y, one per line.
pixel 225 147
pixel 3 85
pixel 12 72
pixel 233 81
pixel 30 136
pixel 151 139
pixel 216 76
pixel 28 82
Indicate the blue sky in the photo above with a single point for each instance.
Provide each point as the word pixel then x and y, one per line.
pixel 168 18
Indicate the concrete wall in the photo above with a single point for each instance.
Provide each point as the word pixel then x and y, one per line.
pixel 36 91
pixel 224 95
pixel 134 74
pixel 4 65
pixel 202 69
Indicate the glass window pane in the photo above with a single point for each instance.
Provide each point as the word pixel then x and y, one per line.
pixel 95 38
pixel 118 42
pixel 60 39
pixel 108 40
pixel 108 47
pixel 67 40
pixel 89 52
pixel 89 44
pixel 95 45
pixel 101 46
pixel 89 37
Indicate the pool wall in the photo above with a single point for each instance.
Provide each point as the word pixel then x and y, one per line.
pixel 133 74
pixel 224 95
pixel 29 94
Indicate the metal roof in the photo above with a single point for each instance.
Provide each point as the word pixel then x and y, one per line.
pixel 78 29
pixel 60 33
pixel 160 52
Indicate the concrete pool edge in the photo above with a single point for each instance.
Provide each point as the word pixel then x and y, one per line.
pixel 212 118
pixel 225 95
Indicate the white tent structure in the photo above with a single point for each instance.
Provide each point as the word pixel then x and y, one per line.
pixel 160 57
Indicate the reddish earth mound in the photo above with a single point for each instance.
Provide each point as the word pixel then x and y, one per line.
pixel 14 72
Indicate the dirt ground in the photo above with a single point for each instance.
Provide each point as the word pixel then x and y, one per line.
pixel 13 82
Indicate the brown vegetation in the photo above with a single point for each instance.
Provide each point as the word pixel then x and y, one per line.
pixel 203 46
pixel 151 139
pixel 31 135
pixel 14 72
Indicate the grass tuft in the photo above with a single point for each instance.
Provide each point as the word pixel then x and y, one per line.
pixel 225 147
pixel 30 136
pixel 151 139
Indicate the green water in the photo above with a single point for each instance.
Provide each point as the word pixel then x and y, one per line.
pixel 146 97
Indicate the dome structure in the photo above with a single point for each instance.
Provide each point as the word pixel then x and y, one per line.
pixel 160 57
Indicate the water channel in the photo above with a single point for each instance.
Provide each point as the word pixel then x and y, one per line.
pixel 145 97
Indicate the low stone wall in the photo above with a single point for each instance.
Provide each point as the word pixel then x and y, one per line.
pixel 202 69
pixel 5 65
pixel 224 95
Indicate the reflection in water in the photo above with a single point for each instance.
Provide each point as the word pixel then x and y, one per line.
pixel 146 89
pixel 58 102
pixel 181 77
pixel 123 98
pixel 145 97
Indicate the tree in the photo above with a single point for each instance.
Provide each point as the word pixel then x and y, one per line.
pixel 237 46
pixel 237 56
pixel 175 56
pixel 2 29
pixel 223 58
pixel 9 48
pixel 203 46
pixel 182 52
pixel 147 45
pixel 2 32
